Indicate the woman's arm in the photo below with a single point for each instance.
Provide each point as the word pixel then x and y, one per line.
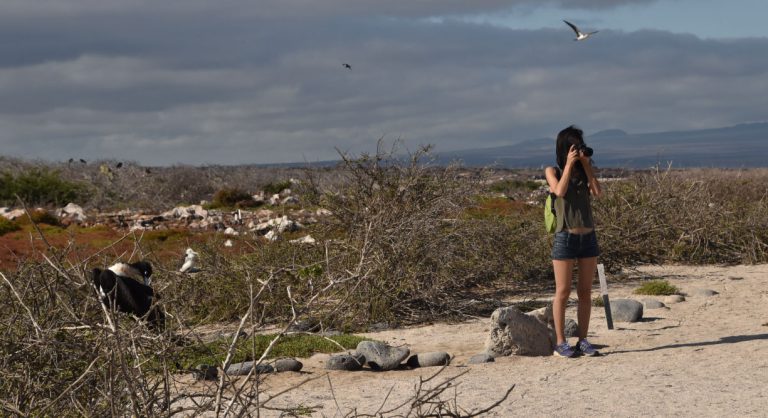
pixel 594 185
pixel 560 186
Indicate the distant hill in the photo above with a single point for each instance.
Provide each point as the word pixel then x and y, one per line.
pixel 744 145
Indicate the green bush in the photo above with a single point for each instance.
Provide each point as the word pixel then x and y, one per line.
pixel 7 226
pixel 40 187
pixel 274 188
pixel 657 287
pixel 232 197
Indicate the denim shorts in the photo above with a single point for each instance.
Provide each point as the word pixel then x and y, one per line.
pixel 568 246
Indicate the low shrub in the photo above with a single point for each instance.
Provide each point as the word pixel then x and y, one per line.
pixel 274 188
pixel 40 187
pixel 657 287
pixel 7 225
pixel 232 197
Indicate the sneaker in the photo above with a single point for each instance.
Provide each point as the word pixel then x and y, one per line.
pixel 564 350
pixel 585 348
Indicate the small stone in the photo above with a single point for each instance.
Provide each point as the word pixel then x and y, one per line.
pixel 288 365
pixel 703 292
pixel 206 372
pixel 481 358
pixel 668 300
pixel 439 358
pixel 381 356
pixel 652 304
pixel 348 362
pixel 571 328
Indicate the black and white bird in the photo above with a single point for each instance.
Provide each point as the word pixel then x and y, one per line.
pixel 347 66
pixel 128 288
pixel 190 262
pixel 580 36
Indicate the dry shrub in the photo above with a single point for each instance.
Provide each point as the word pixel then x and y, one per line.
pixel 686 216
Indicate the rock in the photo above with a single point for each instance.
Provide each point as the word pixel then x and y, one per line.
pixel 185 212
pixel 381 356
pixel 271 236
pixel 288 365
pixel 652 304
pixel 228 243
pixel 626 310
pixel 73 212
pixel 14 214
pixel 242 369
pixel 290 200
pixel 206 372
pixel 674 299
pixel 571 328
pixel 304 240
pixel 515 333
pixel 544 315
pixel 348 362
pixel 703 292
pixel 323 212
pixel 274 200
pixel 438 358
pixel 231 231
pixel 306 325
pixel 481 358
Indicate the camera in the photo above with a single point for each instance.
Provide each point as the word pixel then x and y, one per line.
pixel 582 148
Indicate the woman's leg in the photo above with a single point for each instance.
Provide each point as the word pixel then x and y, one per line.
pixel 587 268
pixel 563 278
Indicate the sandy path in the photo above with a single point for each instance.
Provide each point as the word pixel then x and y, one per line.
pixel 707 356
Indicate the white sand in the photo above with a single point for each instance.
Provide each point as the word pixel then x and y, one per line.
pixel 707 356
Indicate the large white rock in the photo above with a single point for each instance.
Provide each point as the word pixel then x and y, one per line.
pixel 72 211
pixel 515 333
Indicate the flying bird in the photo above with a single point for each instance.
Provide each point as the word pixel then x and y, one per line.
pixel 580 36
pixel 189 262
pixel 347 66
pixel 83 161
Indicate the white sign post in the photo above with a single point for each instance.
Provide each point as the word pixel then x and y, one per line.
pixel 604 291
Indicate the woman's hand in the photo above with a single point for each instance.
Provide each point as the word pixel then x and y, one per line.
pixel 573 155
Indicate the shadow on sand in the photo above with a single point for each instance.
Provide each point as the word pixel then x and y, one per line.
pixel 724 340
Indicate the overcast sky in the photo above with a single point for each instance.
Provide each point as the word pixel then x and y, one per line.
pixel 262 81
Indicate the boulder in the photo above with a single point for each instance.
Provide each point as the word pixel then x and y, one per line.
pixel 304 240
pixel 14 214
pixel 626 310
pixel 348 362
pixel 242 369
pixel 438 358
pixel 381 356
pixel 515 333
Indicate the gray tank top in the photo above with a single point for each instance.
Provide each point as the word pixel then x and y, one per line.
pixel 574 210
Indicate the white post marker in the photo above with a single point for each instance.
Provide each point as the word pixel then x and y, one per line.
pixel 604 291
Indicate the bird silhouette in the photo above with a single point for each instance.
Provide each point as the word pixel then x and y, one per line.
pixel 580 36
pixel 119 165
pixel 347 66
pixel 83 161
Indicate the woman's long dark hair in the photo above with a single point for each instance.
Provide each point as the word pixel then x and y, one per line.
pixel 567 137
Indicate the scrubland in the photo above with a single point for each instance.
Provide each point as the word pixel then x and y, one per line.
pixel 406 242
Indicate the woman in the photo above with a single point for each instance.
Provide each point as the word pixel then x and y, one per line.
pixel 575 239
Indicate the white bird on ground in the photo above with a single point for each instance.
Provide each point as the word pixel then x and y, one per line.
pixel 580 36
pixel 189 262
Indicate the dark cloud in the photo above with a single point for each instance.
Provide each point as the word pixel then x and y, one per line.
pixel 216 86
